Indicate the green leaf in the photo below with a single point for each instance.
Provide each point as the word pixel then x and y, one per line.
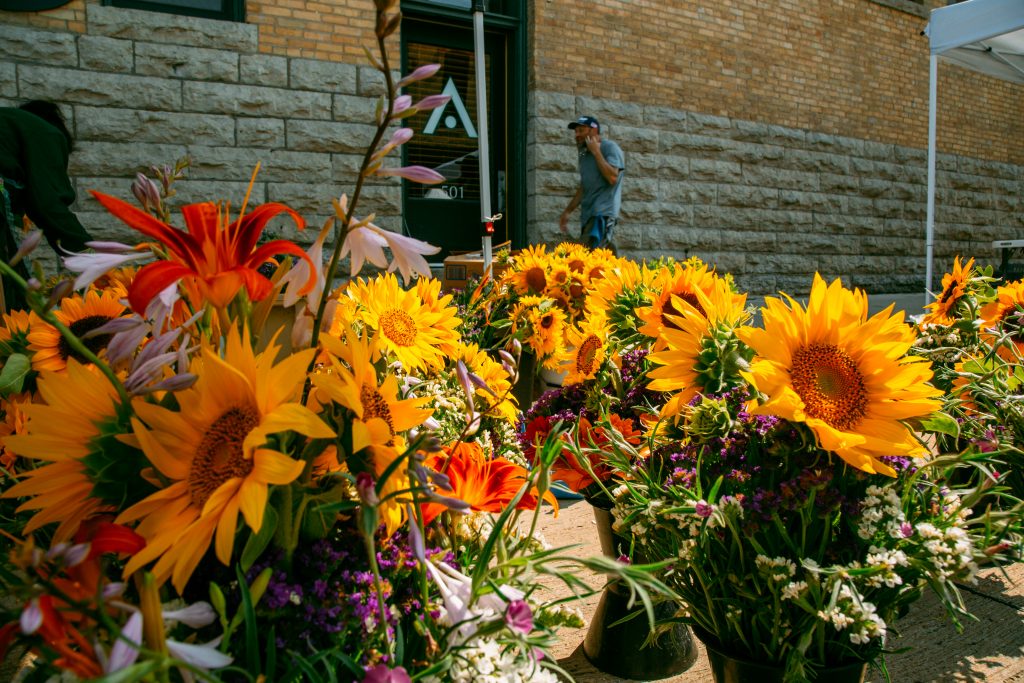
pixel 252 653
pixel 136 672
pixel 942 424
pixel 12 377
pixel 258 542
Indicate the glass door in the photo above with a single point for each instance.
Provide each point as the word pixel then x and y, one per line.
pixel 446 139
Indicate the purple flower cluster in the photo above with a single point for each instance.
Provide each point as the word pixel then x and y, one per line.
pixel 328 597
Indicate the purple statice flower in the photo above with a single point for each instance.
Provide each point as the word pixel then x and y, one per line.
pixel 703 509
pixel 383 674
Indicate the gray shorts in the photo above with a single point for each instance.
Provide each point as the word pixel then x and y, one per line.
pixel 597 232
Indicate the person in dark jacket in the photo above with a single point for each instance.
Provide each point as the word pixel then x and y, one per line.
pixel 34 148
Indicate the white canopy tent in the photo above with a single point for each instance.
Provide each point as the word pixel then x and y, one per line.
pixel 983 35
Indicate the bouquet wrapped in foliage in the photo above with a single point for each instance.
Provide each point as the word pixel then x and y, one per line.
pixel 786 482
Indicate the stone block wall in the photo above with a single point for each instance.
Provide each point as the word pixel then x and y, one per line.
pixel 141 88
pixel 774 204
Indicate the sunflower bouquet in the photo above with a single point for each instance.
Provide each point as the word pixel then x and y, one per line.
pixel 788 484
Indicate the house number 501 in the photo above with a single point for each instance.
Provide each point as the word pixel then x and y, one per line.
pixel 454 191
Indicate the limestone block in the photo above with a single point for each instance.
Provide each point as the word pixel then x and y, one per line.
pixel 26 44
pixel 253 100
pixel 195 63
pixel 308 199
pixel 328 136
pixel 345 169
pixel 186 191
pixel 100 53
pixel 983 167
pixel 673 167
pixel 633 139
pixel 811 201
pixel 124 159
pixel 231 163
pixel 666 118
pixel 889 208
pixel 880 151
pixel 355 109
pixel 750 153
pixel 263 70
pixel 689 144
pixel 835 144
pixel 707 124
pixel 710 169
pixel 805 242
pixel 551 105
pixel 750 131
pixel 640 189
pixel 557 158
pixel 8 80
pixel 99 89
pixel 780 177
pixel 551 130
pixel 643 165
pixel 115 124
pixel 609 112
pixel 159 27
pixel 260 132
pixel 887 171
pixel 746 195
pixel 839 184
pixel 688 192
pixel 557 182
pixel 332 77
pixel 817 162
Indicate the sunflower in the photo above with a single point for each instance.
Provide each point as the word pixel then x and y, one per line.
pixel 15 327
pixel 429 292
pixel 378 415
pixel 80 314
pixel 544 325
pixel 1007 313
pixel 214 452
pixel 954 286
pixel 118 280
pixel 486 485
pixel 699 350
pixel 415 334
pixel 574 255
pixel 78 408
pixel 684 282
pixel 14 422
pixel 844 375
pixel 585 351
pixel 494 376
pixel 529 271
pixel 618 292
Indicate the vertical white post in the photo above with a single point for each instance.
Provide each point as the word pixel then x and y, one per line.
pixel 481 129
pixel 933 86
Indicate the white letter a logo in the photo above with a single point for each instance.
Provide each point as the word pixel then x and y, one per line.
pixel 450 121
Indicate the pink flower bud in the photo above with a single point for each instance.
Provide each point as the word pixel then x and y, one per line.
pixel 419 74
pixel 519 617
pixel 432 102
pixel 31 618
pixel 402 103
pixel 417 174
pixel 366 488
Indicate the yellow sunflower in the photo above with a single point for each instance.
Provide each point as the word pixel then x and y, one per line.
pixel 62 429
pixel 699 350
pixel 118 281
pixel 446 322
pixel 214 452
pixel 954 285
pixel 543 324
pixel 684 282
pixel 575 256
pixel 415 334
pixel 529 271
pixel 494 376
pixel 614 295
pixel 1007 313
pixel 16 326
pixel 585 351
pixel 844 375
pixel 80 314
pixel 378 414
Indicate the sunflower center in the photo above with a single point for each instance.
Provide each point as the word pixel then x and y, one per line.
pixel 220 456
pixel 669 308
pixel 587 353
pixel 399 327
pixel 94 344
pixel 376 406
pixel 577 265
pixel 535 279
pixel 547 321
pixel 948 293
pixel 830 384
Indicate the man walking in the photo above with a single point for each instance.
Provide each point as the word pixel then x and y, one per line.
pixel 599 196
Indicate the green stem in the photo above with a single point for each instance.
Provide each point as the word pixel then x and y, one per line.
pixel 37 304
pixel 371 552
pixel 342 232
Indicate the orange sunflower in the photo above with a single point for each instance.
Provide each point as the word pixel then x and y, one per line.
pixel 529 271
pixel 214 451
pixel 585 350
pixel 684 282
pixel 80 314
pixel 954 285
pixel 846 376
pixel 487 485
pixel 1007 313
pixel 75 409
pixel 542 324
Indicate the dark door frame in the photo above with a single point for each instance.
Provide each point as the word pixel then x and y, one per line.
pixel 513 26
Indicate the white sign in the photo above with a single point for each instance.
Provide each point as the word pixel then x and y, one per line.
pixel 449 120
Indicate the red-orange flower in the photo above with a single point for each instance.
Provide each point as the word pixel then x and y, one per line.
pixel 487 485
pixel 216 256
pixel 567 467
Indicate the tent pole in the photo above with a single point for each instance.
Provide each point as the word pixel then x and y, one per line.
pixel 933 86
pixel 481 129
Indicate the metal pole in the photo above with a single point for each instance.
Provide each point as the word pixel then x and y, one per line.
pixel 933 86
pixel 481 129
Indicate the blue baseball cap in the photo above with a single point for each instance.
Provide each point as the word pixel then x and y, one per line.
pixel 588 121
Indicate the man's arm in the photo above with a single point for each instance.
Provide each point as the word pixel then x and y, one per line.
pixel 563 222
pixel 608 172
pixel 50 194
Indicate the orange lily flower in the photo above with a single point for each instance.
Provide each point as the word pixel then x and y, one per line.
pixel 216 256
pixel 487 485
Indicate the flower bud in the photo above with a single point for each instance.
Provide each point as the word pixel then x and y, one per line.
pixel 27 246
pixel 366 488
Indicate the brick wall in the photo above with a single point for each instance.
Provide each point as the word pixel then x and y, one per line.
pixel 855 68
